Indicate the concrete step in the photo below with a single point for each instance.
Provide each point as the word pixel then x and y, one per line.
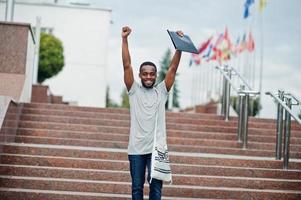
pixel 35 114
pixel 121 155
pixel 179 169
pixel 26 194
pixel 172 147
pixel 109 110
pixel 194 135
pixel 125 129
pixel 178 179
pixel 40 106
pixel 124 188
pixel 34 194
pixel 85 138
pixel 105 165
pixel 177 144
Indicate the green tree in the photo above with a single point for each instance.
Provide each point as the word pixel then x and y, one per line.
pixel 254 105
pixel 125 103
pixel 164 64
pixel 109 102
pixel 299 115
pixel 51 57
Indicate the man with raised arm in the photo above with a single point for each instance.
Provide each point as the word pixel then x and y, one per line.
pixel 147 102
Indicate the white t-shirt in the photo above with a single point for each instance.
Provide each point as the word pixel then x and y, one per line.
pixel 144 104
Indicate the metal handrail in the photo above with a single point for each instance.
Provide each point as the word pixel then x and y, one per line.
pixel 284 106
pixel 228 79
pixel 287 97
pixel 294 97
pixel 239 91
pixel 242 78
pixel 244 96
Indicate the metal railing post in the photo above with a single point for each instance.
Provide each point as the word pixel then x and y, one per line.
pixel 287 131
pixel 228 90
pixel 223 109
pixel 287 106
pixel 279 126
pixel 245 121
pixel 240 114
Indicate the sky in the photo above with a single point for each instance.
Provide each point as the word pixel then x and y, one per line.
pixel 277 33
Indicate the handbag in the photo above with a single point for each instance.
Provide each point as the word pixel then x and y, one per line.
pixel 160 166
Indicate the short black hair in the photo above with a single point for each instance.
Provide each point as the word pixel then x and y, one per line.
pixel 147 63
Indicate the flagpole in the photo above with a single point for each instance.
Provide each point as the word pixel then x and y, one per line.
pixel 261 60
pixel 195 88
pixel 192 87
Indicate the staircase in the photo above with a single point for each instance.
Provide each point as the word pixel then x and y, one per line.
pixel 79 153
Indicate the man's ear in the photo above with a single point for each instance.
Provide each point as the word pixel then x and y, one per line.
pixel 139 74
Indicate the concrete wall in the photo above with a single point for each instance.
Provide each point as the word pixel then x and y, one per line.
pixel 16 61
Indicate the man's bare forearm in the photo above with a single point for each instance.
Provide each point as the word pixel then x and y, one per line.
pixel 126 58
pixel 175 61
pixel 172 70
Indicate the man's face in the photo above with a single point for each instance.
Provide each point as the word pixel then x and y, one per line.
pixel 148 76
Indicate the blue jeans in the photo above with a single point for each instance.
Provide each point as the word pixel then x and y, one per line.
pixel 138 164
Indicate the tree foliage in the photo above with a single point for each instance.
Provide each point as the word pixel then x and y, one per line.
pixel 254 105
pixel 125 102
pixel 109 102
pixel 164 64
pixel 51 57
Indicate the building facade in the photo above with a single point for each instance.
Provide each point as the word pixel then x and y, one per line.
pixel 84 32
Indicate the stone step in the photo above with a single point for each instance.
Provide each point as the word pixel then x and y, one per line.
pixel 190 135
pixel 173 142
pixel 38 106
pixel 172 147
pixel 28 170
pixel 178 179
pixel 34 194
pixel 203 119
pixel 125 129
pixel 92 165
pixel 121 155
pixel 126 111
pixel 125 188
pixel 20 193
pixel 266 143
pixel 84 117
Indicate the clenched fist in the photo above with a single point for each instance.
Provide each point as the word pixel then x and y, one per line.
pixel 125 31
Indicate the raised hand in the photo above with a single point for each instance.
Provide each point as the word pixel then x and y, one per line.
pixel 180 33
pixel 125 31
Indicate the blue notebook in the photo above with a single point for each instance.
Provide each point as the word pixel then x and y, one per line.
pixel 182 43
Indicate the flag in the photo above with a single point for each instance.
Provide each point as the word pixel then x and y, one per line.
pixel 262 4
pixel 195 58
pixel 207 55
pixel 250 43
pixel 217 56
pixel 227 46
pixel 204 45
pixel 219 40
pixel 247 5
